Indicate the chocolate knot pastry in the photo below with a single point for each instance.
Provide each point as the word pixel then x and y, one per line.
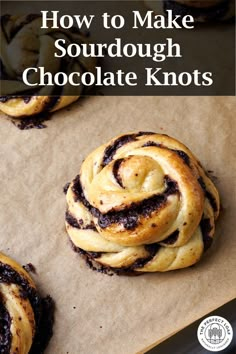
pixel 201 10
pixel 142 203
pixel 25 318
pixel 24 44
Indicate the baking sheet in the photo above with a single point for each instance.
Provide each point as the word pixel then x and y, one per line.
pixel 96 313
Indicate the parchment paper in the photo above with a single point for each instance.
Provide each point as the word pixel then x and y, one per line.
pixel 96 313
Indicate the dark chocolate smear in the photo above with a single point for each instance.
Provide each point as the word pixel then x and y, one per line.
pixel 53 100
pixel 95 254
pixel 172 238
pixel 116 174
pixel 79 196
pixel 72 221
pixel 141 262
pixel 129 216
pixel 151 143
pixel 208 195
pixel 183 156
pixel 5 333
pixel 180 153
pixel 111 150
pixel 206 228
pixel 43 308
pixel 130 271
pixel 87 256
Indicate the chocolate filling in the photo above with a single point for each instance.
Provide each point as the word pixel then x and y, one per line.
pixel 208 195
pixel 183 156
pixel 72 221
pixel 5 333
pixel 53 100
pixel 91 263
pixel 139 263
pixel 152 249
pixel 170 240
pixel 180 153
pixel 116 174
pixel 129 216
pixel 43 307
pixel 111 150
pixel 186 160
pixel 206 228
pixel 211 13
pixel 151 143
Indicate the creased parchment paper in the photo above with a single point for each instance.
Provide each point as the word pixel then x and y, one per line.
pixel 96 313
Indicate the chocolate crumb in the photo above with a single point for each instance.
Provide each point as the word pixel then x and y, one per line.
pixel 30 268
pixel 36 122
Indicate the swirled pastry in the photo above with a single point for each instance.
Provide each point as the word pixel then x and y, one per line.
pixel 201 10
pixel 142 202
pixel 25 318
pixel 23 45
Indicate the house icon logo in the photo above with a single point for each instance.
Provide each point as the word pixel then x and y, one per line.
pixel 215 333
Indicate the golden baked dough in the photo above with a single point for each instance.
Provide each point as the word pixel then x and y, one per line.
pixel 24 44
pixel 20 310
pixel 201 10
pixel 142 202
